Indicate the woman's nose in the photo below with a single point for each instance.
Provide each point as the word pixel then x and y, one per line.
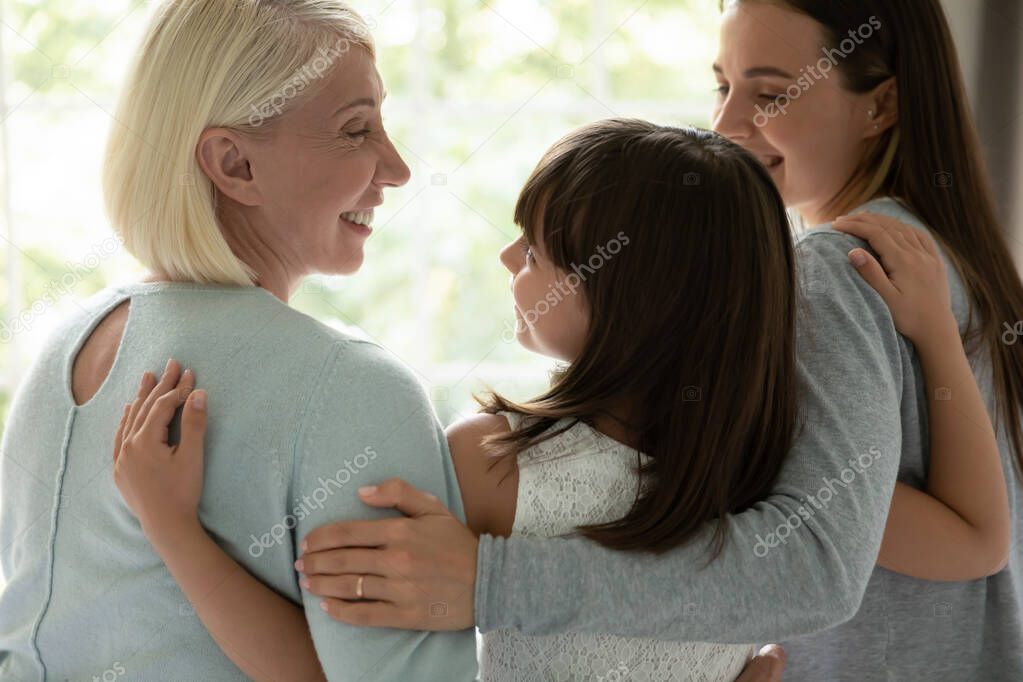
pixel 392 170
pixel 732 119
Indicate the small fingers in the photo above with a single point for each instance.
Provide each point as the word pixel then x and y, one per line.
pixel 930 244
pixel 171 374
pixel 193 425
pixel 917 242
pixel 910 235
pixel 145 388
pixel 903 233
pixel 895 243
pixel 872 272
pixel 119 436
pixel 880 239
pixel 158 421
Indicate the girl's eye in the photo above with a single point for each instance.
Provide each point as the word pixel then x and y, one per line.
pixel 529 253
pixel 721 90
pixel 770 98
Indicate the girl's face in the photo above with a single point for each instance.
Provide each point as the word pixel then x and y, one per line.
pixel 781 97
pixel 327 161
pixel 551 313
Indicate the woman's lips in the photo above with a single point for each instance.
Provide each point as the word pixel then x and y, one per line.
pixel 363 230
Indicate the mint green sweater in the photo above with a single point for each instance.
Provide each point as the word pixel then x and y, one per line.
pixel 300 417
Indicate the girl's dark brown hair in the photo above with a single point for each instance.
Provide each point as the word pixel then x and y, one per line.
pixel 692 329
pixel 932 161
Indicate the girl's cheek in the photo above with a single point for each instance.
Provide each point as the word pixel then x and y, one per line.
pixel 520 292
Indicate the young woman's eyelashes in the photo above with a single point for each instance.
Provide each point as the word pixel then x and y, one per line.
pixel 722 91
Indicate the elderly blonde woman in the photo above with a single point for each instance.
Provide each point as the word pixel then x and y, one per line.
pixel 248 152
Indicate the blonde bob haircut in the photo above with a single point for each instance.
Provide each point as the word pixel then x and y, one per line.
pixel 237 64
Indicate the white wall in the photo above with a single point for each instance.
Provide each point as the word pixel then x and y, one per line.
pixel 966 19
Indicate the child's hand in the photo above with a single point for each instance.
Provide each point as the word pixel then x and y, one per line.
pixel 162 483
pixel 912 281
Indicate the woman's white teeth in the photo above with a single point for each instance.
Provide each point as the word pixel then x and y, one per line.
pixel 360 217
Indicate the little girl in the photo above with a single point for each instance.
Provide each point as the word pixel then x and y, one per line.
pixel 657 264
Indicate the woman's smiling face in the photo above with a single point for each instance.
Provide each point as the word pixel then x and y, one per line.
pixel 328 157
pixel 811 143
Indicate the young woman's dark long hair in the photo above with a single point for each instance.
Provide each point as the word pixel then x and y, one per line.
pixel 932 161
pixel 692 319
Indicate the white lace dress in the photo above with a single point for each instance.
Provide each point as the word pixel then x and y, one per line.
pixel 582 477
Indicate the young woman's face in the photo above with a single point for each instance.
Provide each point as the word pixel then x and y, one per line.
pixel 813 137
pixel 551 313
pixel 328 159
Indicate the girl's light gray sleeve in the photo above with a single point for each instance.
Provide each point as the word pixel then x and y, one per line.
pixel 797 562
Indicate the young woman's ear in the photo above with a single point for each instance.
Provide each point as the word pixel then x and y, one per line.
pixel 221 155
pixel 883 109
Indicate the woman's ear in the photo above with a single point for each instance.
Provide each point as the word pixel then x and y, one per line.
pixel 883 111
pixel 221 155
